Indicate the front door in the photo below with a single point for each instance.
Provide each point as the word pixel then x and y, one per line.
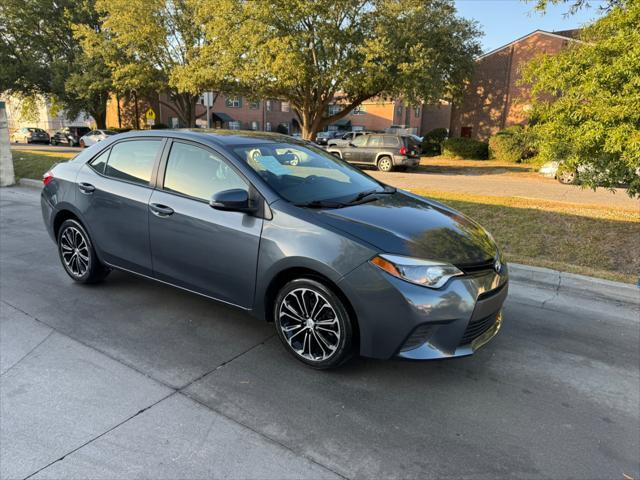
pixel 354 151
pixel 113 196
pixel 208 251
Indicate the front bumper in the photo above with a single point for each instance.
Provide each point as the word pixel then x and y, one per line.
pixel 397 318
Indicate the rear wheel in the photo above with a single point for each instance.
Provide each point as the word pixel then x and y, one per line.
pixel 567 176
pixel 77 254
pixel 313 324
pixel 385 164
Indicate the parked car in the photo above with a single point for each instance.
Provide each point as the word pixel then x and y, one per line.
pixel 339 262
pixel 30 135
pixel 345 139
pixel 384 151
pixel 95 136
pixel 571 176
pixel 322 138
pixel 69 135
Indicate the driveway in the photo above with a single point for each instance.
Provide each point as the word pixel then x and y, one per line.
pixel 523 185
pixel 134 379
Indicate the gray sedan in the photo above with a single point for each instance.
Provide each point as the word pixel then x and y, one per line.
pixel 339 262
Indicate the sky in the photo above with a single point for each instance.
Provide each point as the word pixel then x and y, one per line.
pixel 502 21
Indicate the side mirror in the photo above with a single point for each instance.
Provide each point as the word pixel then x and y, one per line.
pixel 234 200
pixel 352 145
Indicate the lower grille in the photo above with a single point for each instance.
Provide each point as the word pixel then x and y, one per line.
pixel 419 336
pixel 477 328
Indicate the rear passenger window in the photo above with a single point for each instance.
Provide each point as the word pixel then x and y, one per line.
pixel 375 141
pixel 133 160
pixel 390 141
pixel 100 161
pixel 199 173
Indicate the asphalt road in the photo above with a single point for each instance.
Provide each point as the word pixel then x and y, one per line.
pixel 134 379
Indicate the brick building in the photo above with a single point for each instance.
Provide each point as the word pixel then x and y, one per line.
pixel 493 99
pixel 241 113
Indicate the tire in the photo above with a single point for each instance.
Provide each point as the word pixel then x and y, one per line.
pixel 567 176
pixel 385 164
pixel 54 143
pixel 77 255
pixel 330 343
pixel 336 154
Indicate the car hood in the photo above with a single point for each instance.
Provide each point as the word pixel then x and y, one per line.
pixel 405 224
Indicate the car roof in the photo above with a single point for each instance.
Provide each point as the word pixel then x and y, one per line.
pixel 217 136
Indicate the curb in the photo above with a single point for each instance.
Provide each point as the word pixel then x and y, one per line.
pixel 581 285
pixel 28 182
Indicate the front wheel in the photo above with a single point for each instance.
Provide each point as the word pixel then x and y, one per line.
pixel 77 254
pixel 385 164
pixel 313 324
pixel 567 176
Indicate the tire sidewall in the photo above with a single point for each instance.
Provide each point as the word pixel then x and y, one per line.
pixel 344 350
pixel 94 263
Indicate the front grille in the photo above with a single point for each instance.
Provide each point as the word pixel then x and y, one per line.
pixel 477 328
pixel 478 267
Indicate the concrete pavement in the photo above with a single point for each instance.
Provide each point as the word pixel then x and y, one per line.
pixel 132 379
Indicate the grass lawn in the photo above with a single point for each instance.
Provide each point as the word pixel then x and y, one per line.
pixel 586 239
pixel 34 163
pixel 452 166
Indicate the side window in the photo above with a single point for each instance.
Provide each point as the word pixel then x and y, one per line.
pixel 198 173
pixel 100 161
pixel 133 160
pixel 390 141
pixel 374 141
pixel 359 141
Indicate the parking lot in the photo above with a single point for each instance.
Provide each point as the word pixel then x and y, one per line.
pixel 133 378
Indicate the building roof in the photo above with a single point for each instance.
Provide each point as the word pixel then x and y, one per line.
pixel 564 34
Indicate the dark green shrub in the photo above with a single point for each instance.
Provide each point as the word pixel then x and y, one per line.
pixel 432 141
pixel 465 148
pixel 513 144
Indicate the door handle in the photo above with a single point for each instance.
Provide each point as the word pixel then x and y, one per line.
pixel 86 188
pixel 160 210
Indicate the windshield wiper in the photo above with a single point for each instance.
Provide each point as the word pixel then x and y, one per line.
pixel 321 204
pixel 368 193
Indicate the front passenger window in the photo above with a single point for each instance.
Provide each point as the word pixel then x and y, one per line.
pixel 359 141
pixel 199 173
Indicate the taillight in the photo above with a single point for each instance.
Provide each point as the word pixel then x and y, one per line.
pixel 47 177
pixel 403 150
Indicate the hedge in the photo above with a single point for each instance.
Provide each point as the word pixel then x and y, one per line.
pixel 465 148
pixel 432 141
pixel 513 144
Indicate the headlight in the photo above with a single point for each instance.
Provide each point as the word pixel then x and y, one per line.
pixel 421 272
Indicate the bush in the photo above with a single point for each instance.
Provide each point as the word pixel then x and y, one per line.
pixel 465 148
pixel 432 141
pixel 513 144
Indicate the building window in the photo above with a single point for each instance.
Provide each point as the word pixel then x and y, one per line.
pixel 254 105
pixel 174 122
pixel 333 109
pixel 255 125
pixel 399 110
pixel 233 102
pixel 465 132
pixel 267 127
pixel 234 125
pixel 269 106
pixel 359 110
pixel 417 111
pixel 285 107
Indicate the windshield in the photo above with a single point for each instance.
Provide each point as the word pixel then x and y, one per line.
pixel 302 174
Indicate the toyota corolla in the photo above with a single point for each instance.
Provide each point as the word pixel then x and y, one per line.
pixel 341 263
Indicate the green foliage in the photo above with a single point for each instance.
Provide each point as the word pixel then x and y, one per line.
pixel 432 141
pixel 465 148
pixel 587 105
pixel 575 5
pixel 513 144
pixel 312 53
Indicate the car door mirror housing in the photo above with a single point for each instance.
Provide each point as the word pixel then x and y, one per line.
pixel 234 200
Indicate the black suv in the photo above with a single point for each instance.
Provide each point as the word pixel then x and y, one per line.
pixel 69 135
pixel 385 151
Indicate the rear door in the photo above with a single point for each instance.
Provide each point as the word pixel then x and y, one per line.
pixel 208 251
pixel 374 145
pixel 113 195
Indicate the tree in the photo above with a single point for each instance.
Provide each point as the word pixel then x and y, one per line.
pixel 314 54
pixel 40 55
pixel 146 42
pixel 575 5
pixel 587 102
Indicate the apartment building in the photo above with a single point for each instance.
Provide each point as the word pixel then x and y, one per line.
pixel 495 99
